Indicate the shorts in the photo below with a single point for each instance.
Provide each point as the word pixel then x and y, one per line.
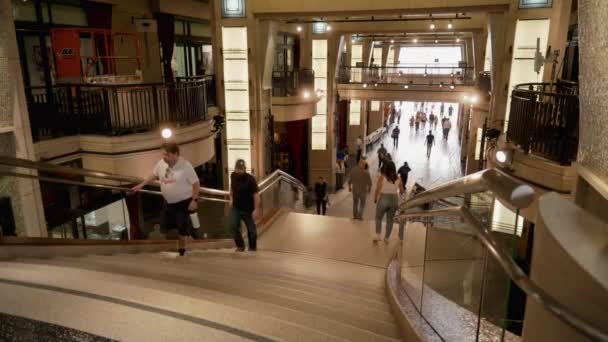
pixel 177 216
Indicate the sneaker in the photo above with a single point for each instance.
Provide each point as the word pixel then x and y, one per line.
pixel 181 251
pixel 240 249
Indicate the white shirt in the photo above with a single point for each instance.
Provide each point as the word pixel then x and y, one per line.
pixel 340 168
pixel 390 188
pixel 359 143
pixel 175 182
pixel 447 124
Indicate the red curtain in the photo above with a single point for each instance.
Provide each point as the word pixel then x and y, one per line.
pixel 296 135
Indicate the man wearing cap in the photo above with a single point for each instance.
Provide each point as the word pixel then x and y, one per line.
pixel 180 187
pixel 245 202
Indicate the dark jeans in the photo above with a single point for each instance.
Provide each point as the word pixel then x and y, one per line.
pixel 235 217
pixel 321 204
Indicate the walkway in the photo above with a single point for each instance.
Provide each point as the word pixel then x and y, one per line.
pixel 443 165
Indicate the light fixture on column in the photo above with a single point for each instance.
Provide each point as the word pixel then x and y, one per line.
pixel 376 84
pixel 415 40
pixel 328 28
pixel 440 84
pixel 450 26
pixel 306 94
pixel 406 86
pixel 299 28
pixel 392 41
pixel 452 85
pixel 436 41
pixel 364 85
pixel 457 40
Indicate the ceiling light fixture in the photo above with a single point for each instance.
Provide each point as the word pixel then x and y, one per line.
pixel 306 94
pixel 436 41
pixel 452 86
pixel 375 84
pixel 450 26
pixel 415 40
pixel 328 28
pixel 432 26
pixel 364 85
pixel 392 41
pixel 406 86
pixel 299 28
pixel 441 85
pixel 457 40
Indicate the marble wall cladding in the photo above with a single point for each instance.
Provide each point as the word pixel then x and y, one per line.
pixel 593 37
pixel 9 185
pixel 6 104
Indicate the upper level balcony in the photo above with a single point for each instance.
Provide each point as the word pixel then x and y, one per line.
pixel 544 120
pixel 113 110
pixel 293 95
pixel 406 82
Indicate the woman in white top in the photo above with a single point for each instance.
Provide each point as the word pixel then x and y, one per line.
pixel 388 189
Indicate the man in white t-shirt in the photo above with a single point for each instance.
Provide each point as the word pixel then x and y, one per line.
pixel 180 187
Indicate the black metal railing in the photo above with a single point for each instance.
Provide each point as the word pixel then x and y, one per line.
pixel 117 109
pixel 544 120
pixel 431 74
pixel 291 83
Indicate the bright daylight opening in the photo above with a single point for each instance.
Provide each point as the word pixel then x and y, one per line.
pixel 430 56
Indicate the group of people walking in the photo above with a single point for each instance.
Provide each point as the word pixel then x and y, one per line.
pixel 180 187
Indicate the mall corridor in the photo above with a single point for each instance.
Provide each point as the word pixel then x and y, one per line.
pixel 444 164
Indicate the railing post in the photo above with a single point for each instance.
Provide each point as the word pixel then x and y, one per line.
pixel 107 111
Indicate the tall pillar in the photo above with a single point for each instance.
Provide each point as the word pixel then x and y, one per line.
pixel 496 29
pixel 469 54
pixel 479 45
pixel 16 134
pixel 368 45
pixel 593 78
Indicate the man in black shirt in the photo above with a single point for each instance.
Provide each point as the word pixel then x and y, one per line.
pixel 429 142
pixel 321 195
pixel 403 173
pixel 245 202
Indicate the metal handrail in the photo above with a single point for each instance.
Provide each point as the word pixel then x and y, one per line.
pixel 507 188
pixel 517 275
pixel 264 185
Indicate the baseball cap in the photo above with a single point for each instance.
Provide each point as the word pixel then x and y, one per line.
pixel 240 165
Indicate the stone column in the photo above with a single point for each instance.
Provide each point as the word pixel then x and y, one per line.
pixel 479 45
pixel 496 29
pixel 593 123
pixel 16 134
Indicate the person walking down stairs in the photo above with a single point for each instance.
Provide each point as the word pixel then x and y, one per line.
pixel 386 197
pixel 340 172
pixel 359 184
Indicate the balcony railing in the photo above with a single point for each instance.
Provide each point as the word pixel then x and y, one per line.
pixel 291 83
pixel 408 74
pixel 117 109
pixel 544 120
